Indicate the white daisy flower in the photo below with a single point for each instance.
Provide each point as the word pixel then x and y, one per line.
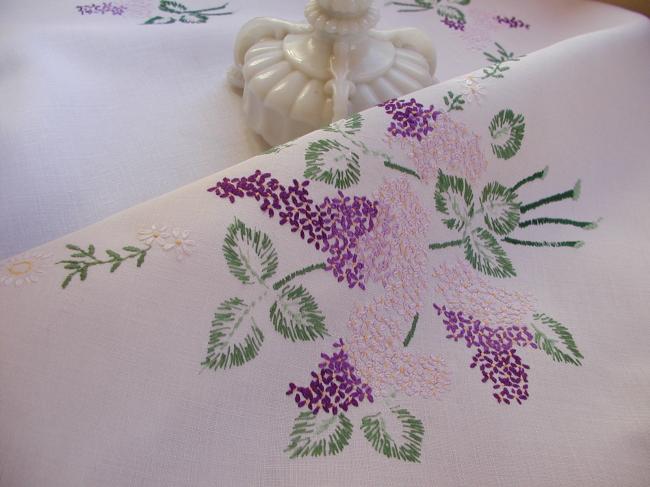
pixel 23 269
pixel 473 88
pixel 181 243
pixel 156 234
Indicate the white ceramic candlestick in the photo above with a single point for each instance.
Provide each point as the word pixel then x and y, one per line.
pixel 300 77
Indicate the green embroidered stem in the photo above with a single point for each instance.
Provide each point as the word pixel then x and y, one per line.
pixel 443 245
pixel 411 332
pixel 558 221
pixel 397 167
pixel 453 102
pixel 538 175
pixel 301 272
pixel 572 193
pixel 569 243
pixel 82 260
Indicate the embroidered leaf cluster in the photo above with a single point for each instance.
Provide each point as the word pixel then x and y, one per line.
pixel 177 12
pixel 498 60
pixel 314 435
pixel 453 101
pixel 444 8
pixel 235 338
pixel 82 260
pixel 485 224
pixel 341 169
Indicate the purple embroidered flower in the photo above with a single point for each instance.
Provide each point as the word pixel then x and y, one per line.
pixel 512 22
pixel 333 227
pixel 496 355
pixel 410 118
pixel 454 24
pixel 335 386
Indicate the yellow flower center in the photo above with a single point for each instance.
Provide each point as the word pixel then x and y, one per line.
pixel 178 242
pixel 156 234
pixel 20 268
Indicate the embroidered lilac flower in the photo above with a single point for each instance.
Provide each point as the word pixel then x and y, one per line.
pixel 448 145
pixel 454 24
pixel 335 386
pixel 410 118
pixel 333 226
pixel 496 355
pixel 512 22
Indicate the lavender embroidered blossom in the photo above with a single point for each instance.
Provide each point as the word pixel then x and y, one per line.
pixel 104 8
pixel 335 386
pixel 333 226
pixel 512 22
pixel 410 118
pixel 496 355
pixel 454 24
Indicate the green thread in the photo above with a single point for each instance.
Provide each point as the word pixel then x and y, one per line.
pixel 498 61
pixel 506 125
pixel 397 167
pixel 444 245
pixel 548 345
pixel 455 199
pixel 375 431
pixel 297 273
pixel 537 175
pixel 453 102
pixel 222 352
pixel 178 12
pixel 411 332
pixel 486 255
pixel 250 254
pixel 569 243
pixel 296 316
pixel 317 170
pixel 314 436
pixel 573 193
pixel 500 208
pixel 82 260
pixel 559 221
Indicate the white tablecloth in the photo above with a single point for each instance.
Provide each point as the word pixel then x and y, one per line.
pixel 100 112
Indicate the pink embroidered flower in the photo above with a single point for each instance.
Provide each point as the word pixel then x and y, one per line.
pixel 465 289
pixel 449 146
pixel 394 256
pixel 157 234
pixel 180 242
pixel 24 269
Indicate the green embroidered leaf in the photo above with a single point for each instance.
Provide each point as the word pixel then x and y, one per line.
pixel 343 169
pixel 249 253
pixel 571 354
pixel 486 255
pixel 296 315
pixel 455 199
pixel 412 431
pixel 116 265
pixel 507 130
pixel 459 2
pixel 450 12
pixel 314 435
pixel 234 337
pixel 351 125
pixel 193 18
pixel 500 208
pixel 278 148
pixel 160 20
pixel 172 7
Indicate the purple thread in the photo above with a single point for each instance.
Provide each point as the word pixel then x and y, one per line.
pixel 334 386
pixel 333 226
pixel 496 355
pixel 454 24
pixel 410 118
pixel 512 22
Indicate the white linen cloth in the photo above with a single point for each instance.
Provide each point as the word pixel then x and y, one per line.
pixel 101 382
pixel 100 112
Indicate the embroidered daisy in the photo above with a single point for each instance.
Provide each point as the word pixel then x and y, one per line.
pixel 155 234
pixel 473 88
pixel 24 269
pixel 180 242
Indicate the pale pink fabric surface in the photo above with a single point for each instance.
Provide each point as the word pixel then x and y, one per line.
pixel 101 383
